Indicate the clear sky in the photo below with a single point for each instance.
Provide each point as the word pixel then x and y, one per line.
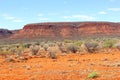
pixel 14 14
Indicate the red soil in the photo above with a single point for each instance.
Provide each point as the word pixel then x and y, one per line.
pixel 67 67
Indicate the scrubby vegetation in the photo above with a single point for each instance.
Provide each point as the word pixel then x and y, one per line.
pixel 42 48
pixel 66 54
pixel 90 47
pixel 117 45
pixel 73 48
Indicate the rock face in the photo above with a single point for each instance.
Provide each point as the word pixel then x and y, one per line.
pixel 4 33
pixel 68 30
pixel 15 31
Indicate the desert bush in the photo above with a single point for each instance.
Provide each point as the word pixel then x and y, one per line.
pixel 5 52
pixel 1 47
pixel 17 45
pixel 10 59
pixel 60 44
pixel 17 49
pixel 36 43
pixel 63 49
pixel 51 44
pixel 117 45
pixel 41 52
pixel 13 50
pixel 27 45
pixel 78 43
pixel 42 44
pixel 67 41
pixel 5 48
pixel 73 48
pixel 18 52
pixel 90 47
pixel 52 54
pixel 109 43
pixel 34 49
pixel 45 47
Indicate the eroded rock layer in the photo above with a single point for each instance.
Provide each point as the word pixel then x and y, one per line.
pixel 68 30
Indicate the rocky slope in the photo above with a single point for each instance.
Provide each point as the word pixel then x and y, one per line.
pixel 4 33
pixel 68 30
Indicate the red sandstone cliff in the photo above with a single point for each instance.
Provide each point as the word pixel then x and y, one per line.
pixel 68 30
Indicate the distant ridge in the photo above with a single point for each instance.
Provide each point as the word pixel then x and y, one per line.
pixel 4 33
pixel 68 30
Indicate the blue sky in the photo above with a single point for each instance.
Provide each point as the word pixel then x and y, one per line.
pixel 14 14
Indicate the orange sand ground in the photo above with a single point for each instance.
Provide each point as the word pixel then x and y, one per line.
pixel 67 67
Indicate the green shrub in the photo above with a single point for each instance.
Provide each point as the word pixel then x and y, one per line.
pixel 67 41
pixel 93 75
pixel 109 43
pixel 78 43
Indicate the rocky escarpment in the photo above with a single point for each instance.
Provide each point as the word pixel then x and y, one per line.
pixel 68 30
pixel 4 33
